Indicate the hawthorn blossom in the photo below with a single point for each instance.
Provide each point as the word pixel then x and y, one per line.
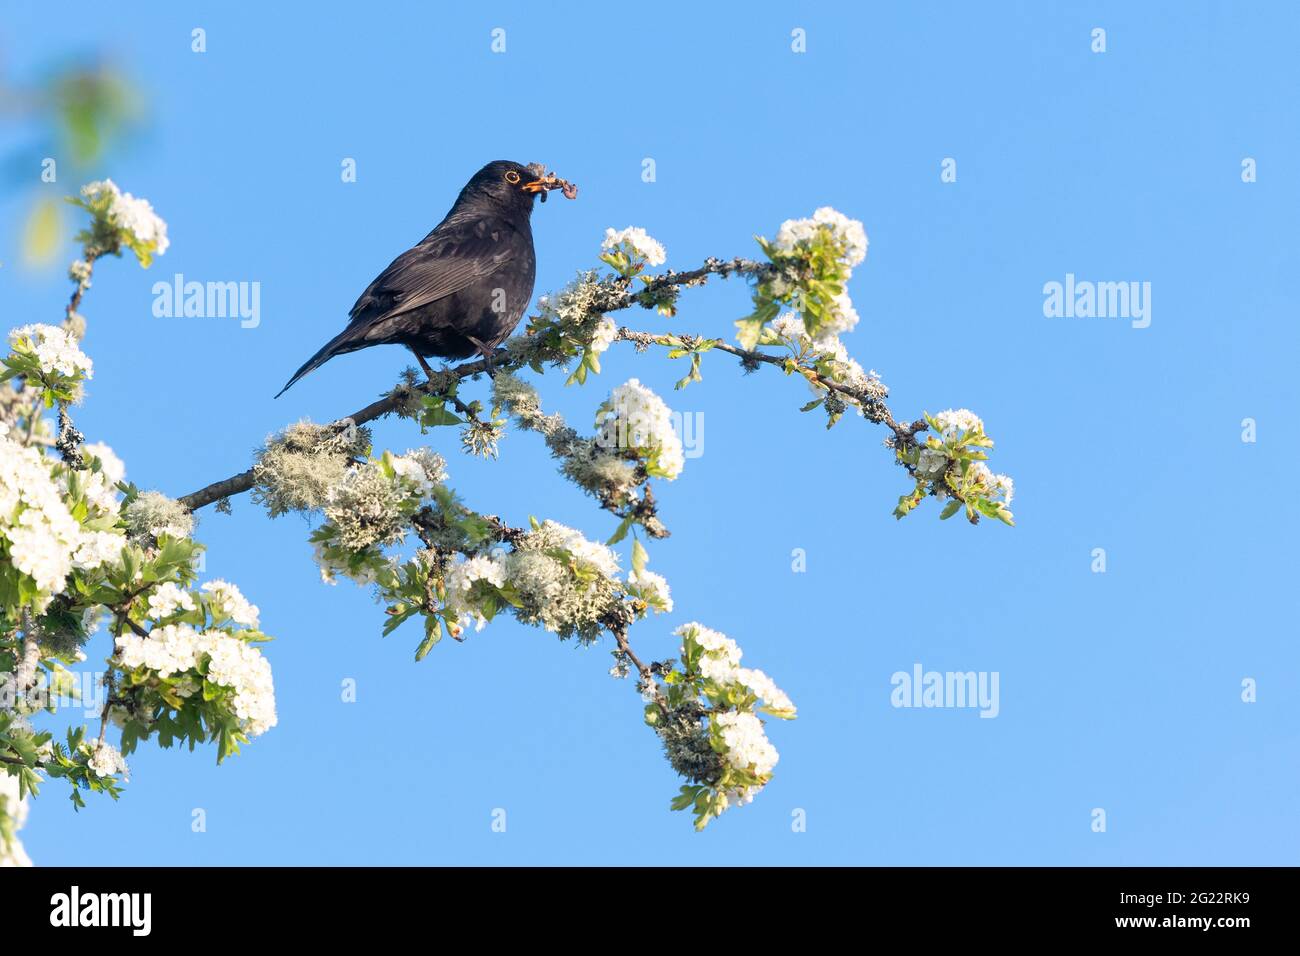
pixel 954 421
pixel 174 650
pixel 132 215
pixel 653 588
pixel 847 233
pixel 226 600
pixel 419 469
pixel 167 599
pixel 101 486
pixel 994 484
pixel 43 535
pixel 606 332
pixel 105 760
pixel 931 463
pixel 635 240
pixel 464 575
pixel 747 745
pixel 55 349
pixel 636 418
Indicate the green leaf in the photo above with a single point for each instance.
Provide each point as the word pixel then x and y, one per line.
pixel 432 635
pixel 685 798
pixel 621 531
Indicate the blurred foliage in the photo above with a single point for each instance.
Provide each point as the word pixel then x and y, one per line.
pixel 78 116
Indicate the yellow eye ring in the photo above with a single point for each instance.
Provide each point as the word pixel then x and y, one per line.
pixel 512 177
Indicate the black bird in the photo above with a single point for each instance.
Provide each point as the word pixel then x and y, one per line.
pixel 465 286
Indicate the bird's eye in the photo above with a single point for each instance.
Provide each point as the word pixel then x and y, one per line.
pixel 512 177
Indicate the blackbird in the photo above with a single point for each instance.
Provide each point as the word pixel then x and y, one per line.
pixel 464 287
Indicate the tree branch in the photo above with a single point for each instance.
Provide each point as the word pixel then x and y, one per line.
pixel 618 294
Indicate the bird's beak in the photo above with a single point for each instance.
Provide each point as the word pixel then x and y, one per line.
pixel 545 182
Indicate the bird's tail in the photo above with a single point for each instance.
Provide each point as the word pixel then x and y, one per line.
pixel 349 340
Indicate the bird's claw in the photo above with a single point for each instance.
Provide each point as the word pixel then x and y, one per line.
pixel 488 354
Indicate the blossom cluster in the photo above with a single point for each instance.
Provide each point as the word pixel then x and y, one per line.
pixel 631 249
pixel 56 350
pixel 817 257
pixel 105 760
pixel 706 714
pixel 955 421
pixel 651 588
pixel 134 220
pixel 951 465
pixel 464 594
pixel 849 236
pixel 39 534
pixel 635 419
pixel 202 658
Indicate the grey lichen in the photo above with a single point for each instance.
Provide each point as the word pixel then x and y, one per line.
pixel 686 744
pixel 553 593
pixel 152 514
pixel 567 318
pixel 295 470
pixel 602 473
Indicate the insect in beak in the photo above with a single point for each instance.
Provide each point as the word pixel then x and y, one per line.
pixel 545 182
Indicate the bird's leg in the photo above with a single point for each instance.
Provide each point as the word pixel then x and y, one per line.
pixel 487 354
pixel 423 364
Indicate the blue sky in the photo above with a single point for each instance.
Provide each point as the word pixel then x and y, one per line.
pixel 1119 691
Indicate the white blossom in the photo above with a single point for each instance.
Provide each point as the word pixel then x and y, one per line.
pixel 606 331
pixel 720 661
pixel 419 470
pixel 225 600
pixel 635 239
pixel 592 555
pixel 953 421
pixel 55 349
pixel 101 486
pixel 44 538
pixel 106 761
pixel 826 346
pixel 654 587
pixel 637 418
pixel 461 579
pixel 765 689
pixel 167 599
pixel 132 215
pixel 931 463
pixel 848 233
pixel 747 745
pixel 993 483
pixel 97 548
pixel 177 649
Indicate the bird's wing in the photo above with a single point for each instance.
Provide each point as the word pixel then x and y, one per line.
pixel 447 260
